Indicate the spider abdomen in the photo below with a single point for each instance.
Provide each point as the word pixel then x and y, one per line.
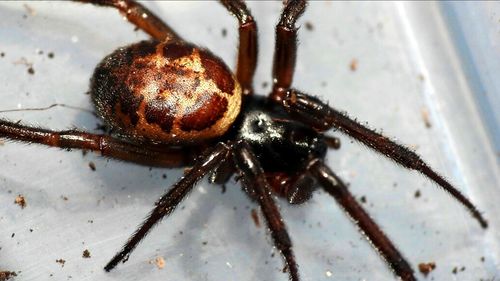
pixel 166 92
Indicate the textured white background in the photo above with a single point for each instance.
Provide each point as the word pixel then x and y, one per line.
pixel 406 64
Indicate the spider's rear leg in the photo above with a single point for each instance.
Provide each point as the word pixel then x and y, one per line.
pixel 335 187
pixel 107 146
pixel 167 203
pixel 141 17
pixel 312 111
pixel 254 180
pixel 248 46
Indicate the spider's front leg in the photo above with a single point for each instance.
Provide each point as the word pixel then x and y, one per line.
pixel 254 181
pixel 311 110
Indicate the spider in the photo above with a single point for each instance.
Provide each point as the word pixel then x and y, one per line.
pixel 169 103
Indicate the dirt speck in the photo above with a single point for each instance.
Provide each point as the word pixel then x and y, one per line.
pixel 50 55
pixel 224 32
pixel 425 116
pixel 255 218
pixel 353 65
pixel 92 166
pixel 29 10
pixel 417 194
pixel 61 262
pixel 31 70
pixel 2 54
pixel 362 199
pixel 6 275
pixel 309 26
pixel 21 201
pixel 160 262
pixel 426 267
pixel 86 254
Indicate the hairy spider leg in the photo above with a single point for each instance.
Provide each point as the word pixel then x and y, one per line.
pixel 169 201
pixel 106 145
pixel 336 188
pixel 248 43
pixel 311 110
pixel 254 181
pixel 141 17
pixel 285 48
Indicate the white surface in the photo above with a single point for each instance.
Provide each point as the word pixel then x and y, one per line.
pixel 406 63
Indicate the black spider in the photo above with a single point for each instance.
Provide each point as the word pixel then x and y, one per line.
pixel 169 103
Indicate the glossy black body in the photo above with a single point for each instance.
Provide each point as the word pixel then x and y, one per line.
pixel 280 144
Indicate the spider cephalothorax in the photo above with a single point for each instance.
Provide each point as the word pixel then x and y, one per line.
pixel 169 103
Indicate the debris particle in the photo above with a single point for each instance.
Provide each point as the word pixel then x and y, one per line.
pixel 328 273
pixel 64 198
pixel 204 243
pixel 50 55
pixel 21 201
pixel 309 26
pixel 417 194
pixel 425 117
pixel 255 218
pixel 160 262
pixel 30 10
pixel 353 65
pixel 482 259
pixel 421 77
pixel 92 166
pixel 264 84
pixel 12 235
pixel 31 70
pixel 164 176
pixel 2 54
pixel 86 254
pixel 61 261
pixel 224 32
pixel 6 275
pixel 362 199
pixel 426 268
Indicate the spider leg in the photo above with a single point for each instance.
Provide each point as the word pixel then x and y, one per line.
pixel 248 46
pixel 169 201
pixel 106 145
pixel 285 48
pixel 141 17
pixel 312 111
pixel 254 181
pixel 335 187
